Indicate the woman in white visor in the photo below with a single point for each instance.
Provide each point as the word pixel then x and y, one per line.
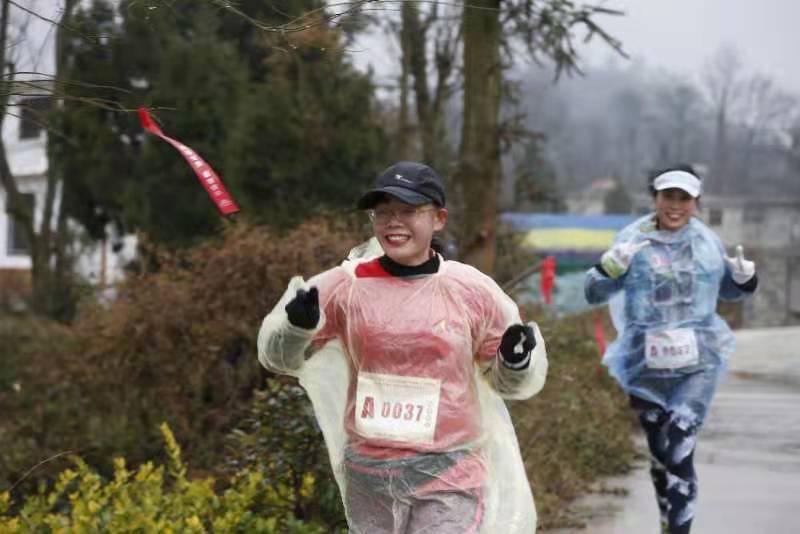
pixel 662 279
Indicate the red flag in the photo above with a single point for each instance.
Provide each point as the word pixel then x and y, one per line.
pixel 599 335
pixel 548 277
pixel 203 170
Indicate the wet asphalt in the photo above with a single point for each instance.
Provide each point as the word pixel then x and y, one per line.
pixel 747 457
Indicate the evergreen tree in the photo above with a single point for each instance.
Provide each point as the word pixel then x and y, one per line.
pixel 92 149
pixel 285 120
pixel 308 139
pixel 202 77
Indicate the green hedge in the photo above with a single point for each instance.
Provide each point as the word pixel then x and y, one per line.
pixel 178 346
pixel 158 499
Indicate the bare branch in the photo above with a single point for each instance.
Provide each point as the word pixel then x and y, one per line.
pixel 49 82
pixel 547 30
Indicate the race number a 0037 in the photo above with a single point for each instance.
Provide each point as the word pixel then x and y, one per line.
pixel 210 180
pixel 397 408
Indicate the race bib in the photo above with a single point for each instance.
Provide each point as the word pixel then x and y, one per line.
pixel 398 408
pixel 671 349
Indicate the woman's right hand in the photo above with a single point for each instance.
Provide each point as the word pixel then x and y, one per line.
pixel 616 260
pixel 303 309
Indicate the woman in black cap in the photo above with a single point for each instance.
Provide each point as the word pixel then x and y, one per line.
pixel 420 439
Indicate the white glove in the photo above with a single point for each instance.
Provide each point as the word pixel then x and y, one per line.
pixel 617 259
pixel 742 270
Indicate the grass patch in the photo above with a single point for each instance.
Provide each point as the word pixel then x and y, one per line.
pixel 579 428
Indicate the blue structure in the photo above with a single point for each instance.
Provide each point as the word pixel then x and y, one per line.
pixel 576 241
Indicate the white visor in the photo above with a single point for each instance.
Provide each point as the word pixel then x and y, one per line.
pixel 678 179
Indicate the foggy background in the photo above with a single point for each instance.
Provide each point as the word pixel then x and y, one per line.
pixel 713 84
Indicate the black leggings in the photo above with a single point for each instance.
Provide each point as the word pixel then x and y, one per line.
pixel 671 438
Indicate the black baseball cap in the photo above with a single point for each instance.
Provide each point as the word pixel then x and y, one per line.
pixel 413 183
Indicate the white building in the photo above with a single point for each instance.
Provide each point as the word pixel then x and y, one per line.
pixel 25 145
pixel 769 230
pixel 26 149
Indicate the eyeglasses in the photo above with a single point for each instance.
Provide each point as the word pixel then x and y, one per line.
pixel 405 215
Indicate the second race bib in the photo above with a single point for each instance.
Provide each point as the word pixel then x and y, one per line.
pixel 671 349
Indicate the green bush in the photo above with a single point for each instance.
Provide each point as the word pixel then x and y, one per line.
pixel 288 446
pixel 578 428
pixel 31 381
pixel 157 499
pixel 177 345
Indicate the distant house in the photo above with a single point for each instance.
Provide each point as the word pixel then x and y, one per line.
pixel 26 148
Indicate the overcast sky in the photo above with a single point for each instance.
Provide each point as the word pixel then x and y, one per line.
pixel 678 35
pixel 30 38
pixel 681 35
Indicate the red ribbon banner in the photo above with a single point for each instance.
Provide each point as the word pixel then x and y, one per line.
pixel 203 170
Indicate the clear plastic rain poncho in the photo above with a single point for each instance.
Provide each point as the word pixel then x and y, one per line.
pixel 672 346
pixel 403 374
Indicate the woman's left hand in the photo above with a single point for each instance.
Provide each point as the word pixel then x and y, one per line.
pixel 742 269
pixel 517 343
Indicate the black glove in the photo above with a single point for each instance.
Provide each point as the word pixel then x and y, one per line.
pixel 511 350
pixel 303 309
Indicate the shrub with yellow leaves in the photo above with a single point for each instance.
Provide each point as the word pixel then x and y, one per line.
pixel 154 499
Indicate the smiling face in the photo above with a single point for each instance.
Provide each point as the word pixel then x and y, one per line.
pixel 405 231
pixel 674 208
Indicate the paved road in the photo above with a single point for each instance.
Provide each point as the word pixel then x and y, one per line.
pixel 748 454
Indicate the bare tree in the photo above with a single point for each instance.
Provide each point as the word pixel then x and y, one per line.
pixel 794 147
pixel 678 120
pixel 547 30
pixel 765 112
pixel 628 106
pixel 722 80
pixel 429 41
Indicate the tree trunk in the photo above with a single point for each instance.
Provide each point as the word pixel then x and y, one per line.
pixel 416 41
pixel 403 145
pixel 719 167
pixel 479 166
pixel 57 301
pixel 429 105
pixel 49 272
pixel 15 205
